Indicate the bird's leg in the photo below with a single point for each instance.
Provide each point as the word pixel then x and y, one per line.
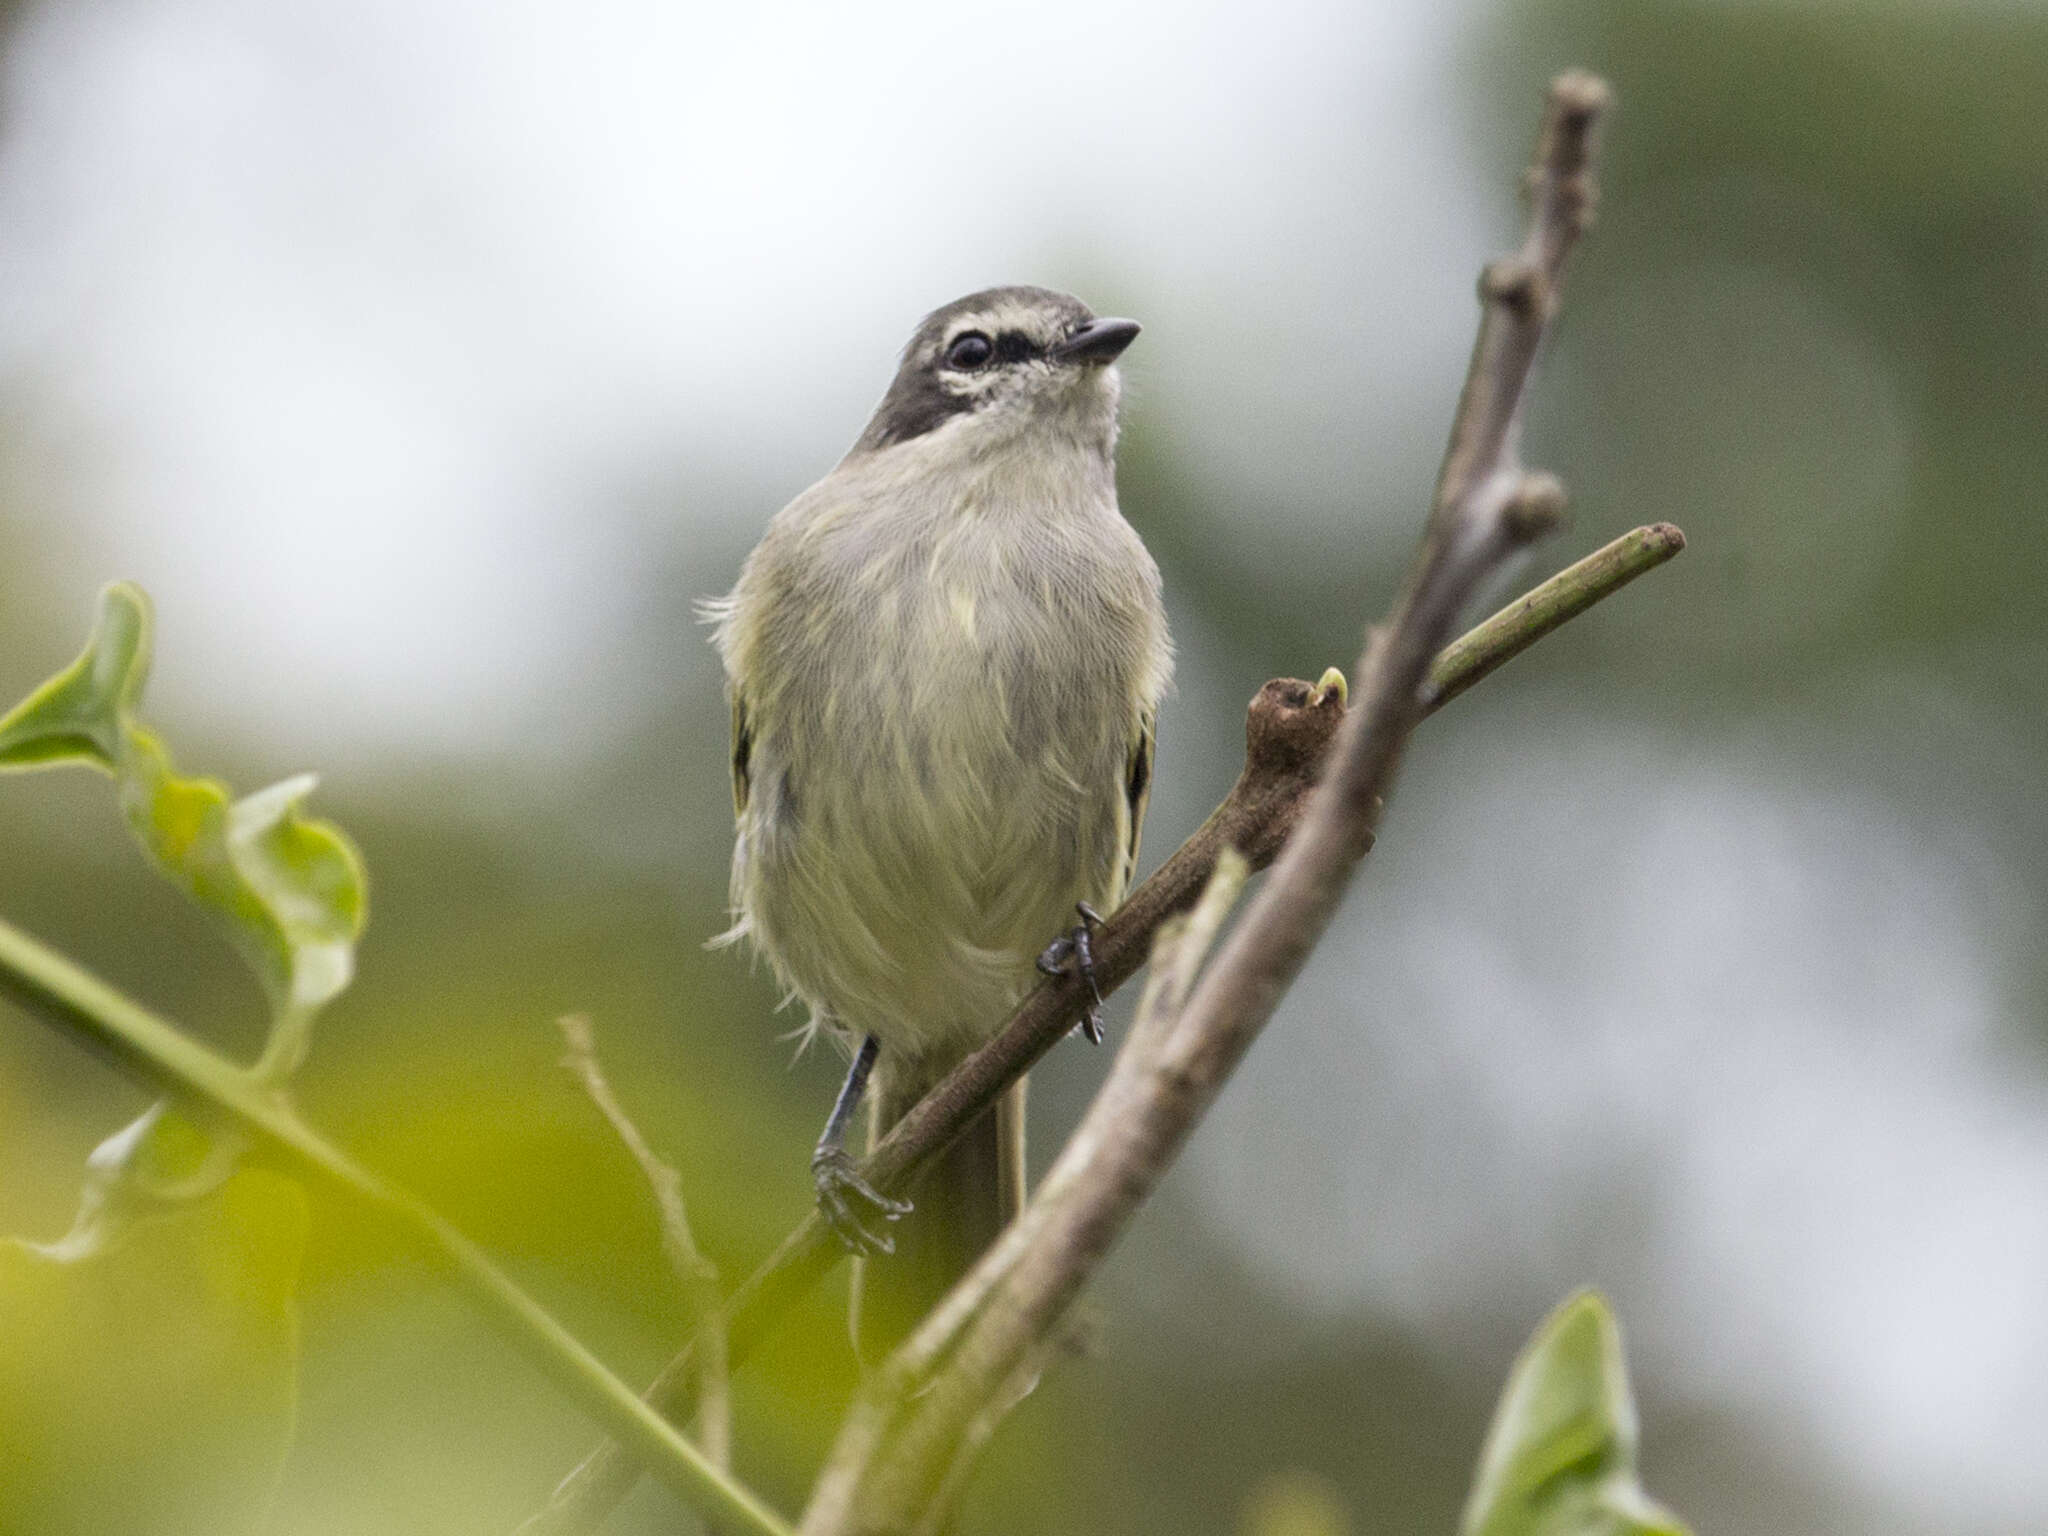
pixel 1084 962
pixel 838 1182
pixel 1079 945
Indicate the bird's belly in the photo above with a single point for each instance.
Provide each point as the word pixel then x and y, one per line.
pixel 938 815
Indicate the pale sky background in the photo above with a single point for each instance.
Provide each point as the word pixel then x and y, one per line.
pixel 360 335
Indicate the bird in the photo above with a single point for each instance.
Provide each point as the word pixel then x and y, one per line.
pixel 944 661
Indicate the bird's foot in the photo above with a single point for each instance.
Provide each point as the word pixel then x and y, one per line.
pixel 841 1190
pixel 1079 946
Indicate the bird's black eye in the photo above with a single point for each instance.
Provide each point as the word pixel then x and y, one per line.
pixel 970 349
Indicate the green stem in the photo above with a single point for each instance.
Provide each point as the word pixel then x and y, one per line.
pixel 1485 648
pixel 140 1043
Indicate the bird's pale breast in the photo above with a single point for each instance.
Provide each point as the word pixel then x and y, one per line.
pixel 945 703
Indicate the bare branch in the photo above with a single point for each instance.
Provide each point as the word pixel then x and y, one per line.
pixel 1168 1075
pixel 703 1304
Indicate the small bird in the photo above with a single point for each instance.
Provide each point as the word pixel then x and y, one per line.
pixel 944 662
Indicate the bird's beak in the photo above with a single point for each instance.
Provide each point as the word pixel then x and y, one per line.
pixel 1099 341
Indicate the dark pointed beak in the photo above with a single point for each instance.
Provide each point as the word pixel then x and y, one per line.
pixel 1099 341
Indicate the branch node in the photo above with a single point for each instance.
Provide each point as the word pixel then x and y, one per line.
pixel 1562 172
pixel 1514 283
pixel 1534 507
pixel 1580 97
pixel 1290 726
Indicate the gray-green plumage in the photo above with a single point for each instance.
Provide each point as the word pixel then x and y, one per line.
pixel 944 661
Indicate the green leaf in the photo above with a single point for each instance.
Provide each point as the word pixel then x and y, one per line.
pixel 149 1375
pixel 78 715
pixel 1560 1459
pixel 160 1157
pixel 287 890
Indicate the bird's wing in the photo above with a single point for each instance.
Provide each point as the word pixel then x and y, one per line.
pixel 742 749
pixel 1137 792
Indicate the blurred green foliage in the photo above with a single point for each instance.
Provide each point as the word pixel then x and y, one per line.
pixel 149 1378
pixel 1820 240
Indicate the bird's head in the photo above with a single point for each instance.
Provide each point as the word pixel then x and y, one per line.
pixel 1004 362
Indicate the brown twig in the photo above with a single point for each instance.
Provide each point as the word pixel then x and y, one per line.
pixel 1486 507
pixel 698 1276
pixel 1288 731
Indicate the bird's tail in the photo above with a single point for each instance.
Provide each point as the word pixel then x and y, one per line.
pixel 962 1201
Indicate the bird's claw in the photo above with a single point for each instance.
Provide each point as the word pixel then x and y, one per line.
pixel 1079 946
pixel 840 1186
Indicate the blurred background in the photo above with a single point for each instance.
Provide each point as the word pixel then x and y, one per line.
pixel 426 362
